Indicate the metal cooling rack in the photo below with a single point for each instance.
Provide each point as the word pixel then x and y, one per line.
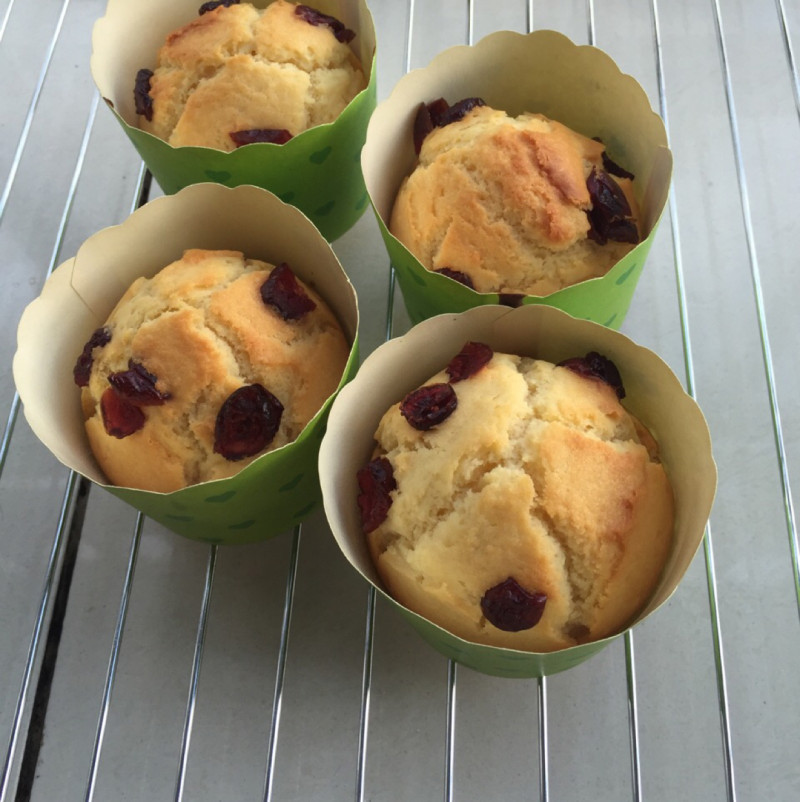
pixel 136 665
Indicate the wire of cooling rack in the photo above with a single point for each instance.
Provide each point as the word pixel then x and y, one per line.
pixel 196 662
pixel 758 294
pixel 280 673
pixel 677 254
pixel 37 93
pixel 114 658
pixel 36 636
pixel 787 44
pixel 72 484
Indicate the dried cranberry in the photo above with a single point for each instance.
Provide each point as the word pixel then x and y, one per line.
pixel 468 361
pixel 610 166
pixel 141 94
pixel 596 366
pixel 376 481
pixel 282 291
pixel 458 110
pixel 606 193
pixel 247 422
pixel 137 386
pixel 510 607
pixel 512 299
pixel 423 125
pixel 456 275
pixel 610 215
pixel 212 4
pixel 622 231
pixel 83 365
pixel 314 17
pixel 436 110
pixel 277 136
pixel 120 417
pixel 83 369
pixel 429 405
pixel 439 113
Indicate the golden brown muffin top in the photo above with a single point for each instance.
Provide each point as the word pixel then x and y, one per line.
pixel 540 475
pixel 201 328
pixel 505 200
pixel 239 68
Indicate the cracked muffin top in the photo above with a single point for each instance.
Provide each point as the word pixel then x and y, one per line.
pixel 517 503
pixel 199 370
pixel 237 74
pixel 512 204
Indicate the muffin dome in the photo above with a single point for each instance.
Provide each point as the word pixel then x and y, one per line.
pixel 200 369
pixel 237 74
pixel 512 204
pixel 533 515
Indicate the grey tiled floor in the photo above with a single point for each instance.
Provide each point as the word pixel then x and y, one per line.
pixel 702 702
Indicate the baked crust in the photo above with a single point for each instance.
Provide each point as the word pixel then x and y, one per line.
pixel 202 329
pixel 504 200
pixel 539 474
pixel 239 68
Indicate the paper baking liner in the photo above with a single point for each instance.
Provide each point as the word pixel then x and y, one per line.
pixel 654 395
pixel 318 170
pixel 544 72
pixel 275 491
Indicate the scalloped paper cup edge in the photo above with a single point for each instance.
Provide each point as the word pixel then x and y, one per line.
pixel 502 68
pixel 82 291
pixel 654 394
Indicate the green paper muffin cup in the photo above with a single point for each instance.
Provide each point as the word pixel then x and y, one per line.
pixel 317 171
pixel 543 72
pixel 654 395
pixel 274 492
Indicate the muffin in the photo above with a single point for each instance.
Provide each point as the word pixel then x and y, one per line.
pixel 199 370
pixel 508 204
pixel 516 503
pixel 237 75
